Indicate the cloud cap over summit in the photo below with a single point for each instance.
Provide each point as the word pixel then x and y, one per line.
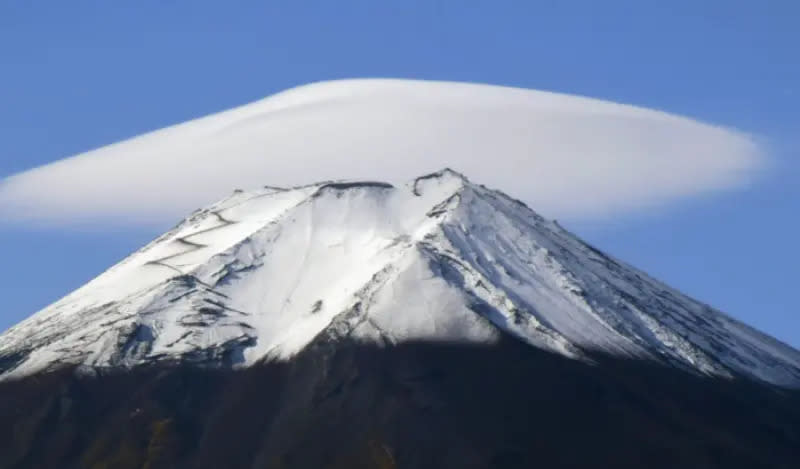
pixel 567 156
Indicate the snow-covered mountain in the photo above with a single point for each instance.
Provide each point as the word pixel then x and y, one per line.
pixel 260 275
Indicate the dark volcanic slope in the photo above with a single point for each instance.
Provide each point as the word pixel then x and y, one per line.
pixel 413 405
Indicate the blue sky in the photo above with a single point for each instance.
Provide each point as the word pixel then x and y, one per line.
pixel 80 75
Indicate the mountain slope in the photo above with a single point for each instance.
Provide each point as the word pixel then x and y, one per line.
pixel 260 275
pixel 341 404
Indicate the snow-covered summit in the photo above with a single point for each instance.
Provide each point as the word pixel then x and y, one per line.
pixel 262 274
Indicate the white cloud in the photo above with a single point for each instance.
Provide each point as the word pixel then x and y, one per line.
pixel 566 156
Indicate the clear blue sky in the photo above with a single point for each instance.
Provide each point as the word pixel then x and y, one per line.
pixel 78 75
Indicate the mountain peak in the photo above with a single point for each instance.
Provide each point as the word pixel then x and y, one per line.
pixel 445 173
pixel 263 274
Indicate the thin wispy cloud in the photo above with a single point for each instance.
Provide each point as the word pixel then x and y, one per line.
pixel 566 156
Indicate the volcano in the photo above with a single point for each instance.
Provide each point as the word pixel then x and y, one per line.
pixel 437 323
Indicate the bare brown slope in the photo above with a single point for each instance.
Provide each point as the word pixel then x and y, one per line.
pixel 410 406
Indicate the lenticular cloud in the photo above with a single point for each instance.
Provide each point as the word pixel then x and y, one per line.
pixel 564 155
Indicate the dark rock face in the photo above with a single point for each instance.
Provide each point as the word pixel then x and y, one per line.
pixel 420 405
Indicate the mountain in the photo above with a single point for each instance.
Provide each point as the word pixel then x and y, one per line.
pixel 260 274
pixel 357 324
